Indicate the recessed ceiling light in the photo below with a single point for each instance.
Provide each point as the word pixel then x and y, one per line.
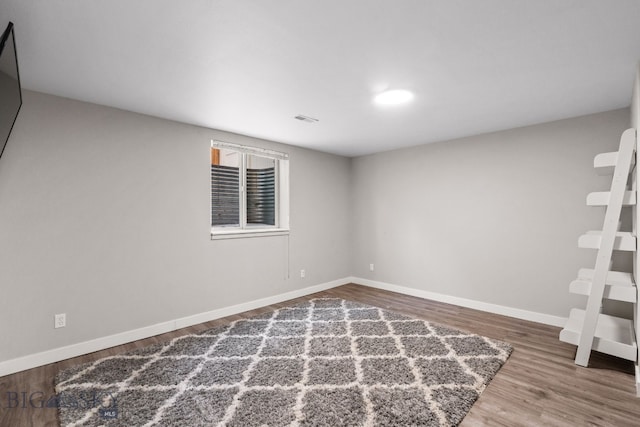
pixel 393 97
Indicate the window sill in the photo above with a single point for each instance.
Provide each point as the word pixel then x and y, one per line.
pixel 243 234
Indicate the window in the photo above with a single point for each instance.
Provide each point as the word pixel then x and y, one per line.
pixel 249 191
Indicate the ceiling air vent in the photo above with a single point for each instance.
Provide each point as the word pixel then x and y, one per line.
pixel 305 118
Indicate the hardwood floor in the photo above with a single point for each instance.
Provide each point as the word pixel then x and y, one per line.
pixel 539 384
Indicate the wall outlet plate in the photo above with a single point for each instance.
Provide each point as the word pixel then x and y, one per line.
pixel 60 320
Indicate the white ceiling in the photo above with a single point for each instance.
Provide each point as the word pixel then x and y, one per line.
pixel 250 66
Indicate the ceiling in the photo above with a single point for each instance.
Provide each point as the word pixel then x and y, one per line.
pixel 250 66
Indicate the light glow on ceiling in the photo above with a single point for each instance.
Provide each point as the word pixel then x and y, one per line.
pixel 393 97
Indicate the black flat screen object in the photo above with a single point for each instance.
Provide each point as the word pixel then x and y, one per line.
pixel 10 91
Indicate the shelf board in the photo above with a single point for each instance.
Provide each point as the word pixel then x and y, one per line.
pixel 619 285
pixel 612 292
pixel 606 162
pixel 601 198
pixel 613 336
pixel 624 241
pixel 613 277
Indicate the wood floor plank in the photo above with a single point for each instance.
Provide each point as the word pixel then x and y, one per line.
pixel 539 384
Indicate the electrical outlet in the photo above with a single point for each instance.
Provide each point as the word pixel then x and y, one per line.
pixel 302 273
pixel 60 320
pixel 370 267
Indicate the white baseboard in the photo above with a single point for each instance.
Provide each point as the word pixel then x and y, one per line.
pixel 57 354
pixel 532 316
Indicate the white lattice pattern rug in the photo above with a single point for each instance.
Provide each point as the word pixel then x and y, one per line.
pixel 327 362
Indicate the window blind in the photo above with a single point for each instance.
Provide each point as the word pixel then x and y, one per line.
pixel 261 196
pixel 225 195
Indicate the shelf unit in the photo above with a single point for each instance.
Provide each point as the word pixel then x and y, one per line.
pixel 589 329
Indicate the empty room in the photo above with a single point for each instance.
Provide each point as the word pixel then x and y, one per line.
pixel 332 213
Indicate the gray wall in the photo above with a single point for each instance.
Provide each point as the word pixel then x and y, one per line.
pixel 493 218
pixel 104 215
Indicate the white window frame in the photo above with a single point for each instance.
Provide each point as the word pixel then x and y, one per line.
pixel 282 195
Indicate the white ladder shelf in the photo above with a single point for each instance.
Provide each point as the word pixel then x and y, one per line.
pixel 589 329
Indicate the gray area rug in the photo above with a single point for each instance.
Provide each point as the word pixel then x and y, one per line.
pixel 326 362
